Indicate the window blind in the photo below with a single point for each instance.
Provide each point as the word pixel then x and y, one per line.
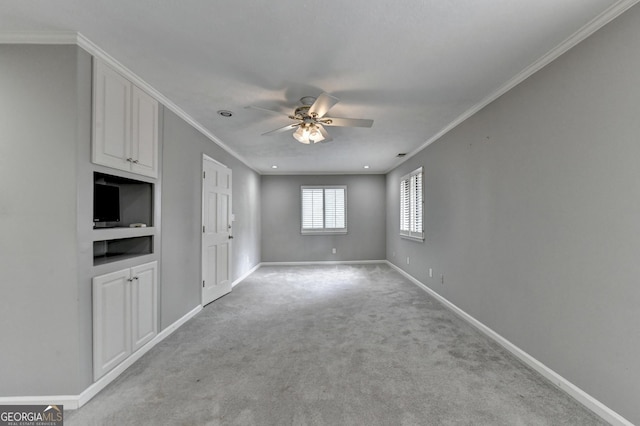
pixel 412 205
pixel 324 209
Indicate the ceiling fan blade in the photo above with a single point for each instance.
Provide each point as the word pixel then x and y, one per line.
pixel 347 122
pixel 282 129
pixel 323 103
pixel 324 133
pixel 267 110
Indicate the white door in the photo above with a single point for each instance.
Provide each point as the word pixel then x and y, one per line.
pixel 144 300
pixel 216 230
pixel 111 321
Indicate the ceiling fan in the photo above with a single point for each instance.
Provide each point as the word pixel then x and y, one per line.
pixel 310 119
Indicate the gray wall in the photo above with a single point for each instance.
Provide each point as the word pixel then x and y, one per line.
pixel 46 250
pixel 183 147
pixel 44 125
pixel 532 214
pixel 281 215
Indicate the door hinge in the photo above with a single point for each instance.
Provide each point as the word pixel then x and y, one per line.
pixel 204 175
pixel 202 283
pixel 203 229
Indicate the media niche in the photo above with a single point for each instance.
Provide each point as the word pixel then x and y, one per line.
pixel 121 202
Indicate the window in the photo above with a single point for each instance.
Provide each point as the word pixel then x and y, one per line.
pixel 324 209
pixel 411 205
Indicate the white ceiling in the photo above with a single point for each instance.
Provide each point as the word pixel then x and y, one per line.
pixel 415 67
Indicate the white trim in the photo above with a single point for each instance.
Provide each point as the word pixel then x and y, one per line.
pixel 51 37
pixel 206 157
pixel 245 275
pixel 70 402
pixel 96 51
pixel 97 386
pixel 572 390
pixel 67 37
pixel 73 402
pixel 323 262
pixel 589 28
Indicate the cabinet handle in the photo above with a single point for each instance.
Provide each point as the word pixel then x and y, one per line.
pixel 135 161
pixel 130 160
pixel 129 279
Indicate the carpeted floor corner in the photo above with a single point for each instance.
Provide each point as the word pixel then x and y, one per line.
pixel 329 345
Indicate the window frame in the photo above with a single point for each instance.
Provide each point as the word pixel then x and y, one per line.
pixel 323 230
pixel 409 207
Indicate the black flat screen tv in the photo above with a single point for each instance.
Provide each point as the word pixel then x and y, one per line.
pixel 106 203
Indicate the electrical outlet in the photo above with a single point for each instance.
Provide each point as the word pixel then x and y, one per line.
pixel 407 260
pixel 441 279
pixel 430 272
pixel 333 250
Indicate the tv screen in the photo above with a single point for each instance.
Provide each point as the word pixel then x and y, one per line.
pixel 106 203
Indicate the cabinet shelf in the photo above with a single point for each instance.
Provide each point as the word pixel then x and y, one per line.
pixel 118 248
pixel 107 259
pixel 106 234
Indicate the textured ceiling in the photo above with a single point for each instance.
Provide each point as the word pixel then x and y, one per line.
pixel 414 67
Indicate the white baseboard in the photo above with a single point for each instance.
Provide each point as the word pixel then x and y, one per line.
pixel 245 275
pixel 73 402
pixel 68 401
pixel 572 390
pixel 323 262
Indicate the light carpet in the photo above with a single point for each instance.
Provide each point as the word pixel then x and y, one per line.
pixel 329 345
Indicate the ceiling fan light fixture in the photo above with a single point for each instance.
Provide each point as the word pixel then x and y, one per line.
pixel 315 135
pixel 302 135
pixel 308 134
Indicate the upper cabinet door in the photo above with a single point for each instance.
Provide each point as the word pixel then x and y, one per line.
pixel 144 140
pixel 125 124
pixel 111 118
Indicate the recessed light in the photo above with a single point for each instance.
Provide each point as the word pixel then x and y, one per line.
pixel 225 113
pixel 274 167
pixel 366 167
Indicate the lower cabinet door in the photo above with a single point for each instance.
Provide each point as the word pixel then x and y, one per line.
pixel 144 298
pixel 125 314
pixel 111 321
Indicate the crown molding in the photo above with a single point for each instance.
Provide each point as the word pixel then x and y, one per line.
pixel 96 51
pixel 588 29
pixel 51 37
pixel 68 37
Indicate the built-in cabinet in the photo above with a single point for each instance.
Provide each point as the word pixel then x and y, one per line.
pixel 125 283
pixel 124 314
pixel 125 123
